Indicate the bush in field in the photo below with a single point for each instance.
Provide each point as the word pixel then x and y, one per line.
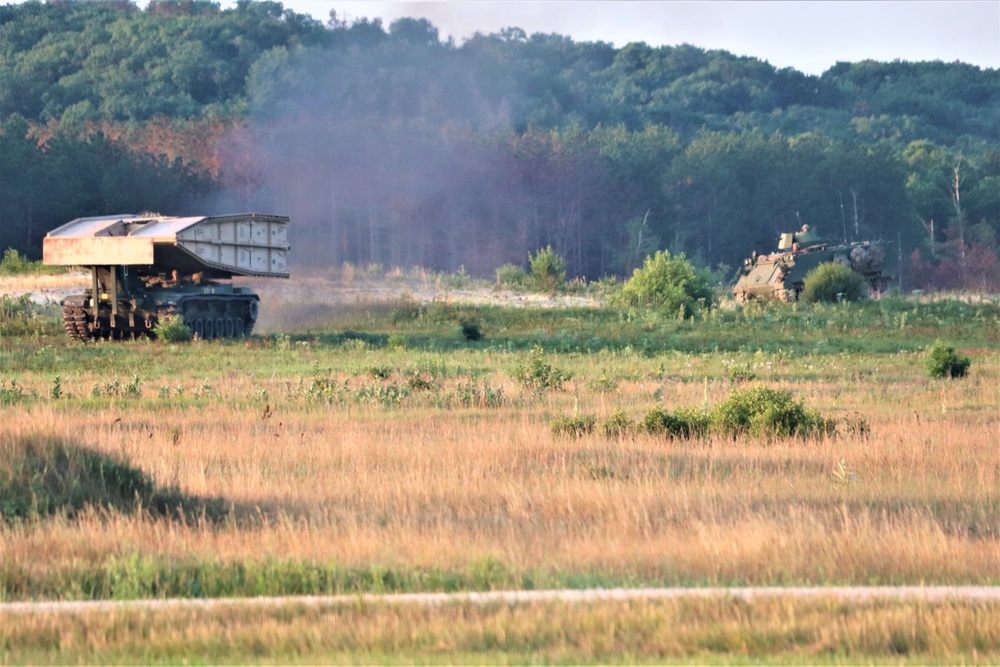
pixel 473 395
pixel 668 284
pixel 684 423
pixel 471 329
pixel 573 427
pixel 16 264
pixel 548 270
pixel 16 307
pixel 19 316
pixel 617 425
pixel 942 362
pixel 831 282
pixel 173 330
pixel 754 411
pixel 13 394
pixel 764 412
pixel 396 341
pixel 511 275
pixel 537 374
pixel 406 309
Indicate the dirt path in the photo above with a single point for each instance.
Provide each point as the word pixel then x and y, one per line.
pixel 840 593
pixel 317 289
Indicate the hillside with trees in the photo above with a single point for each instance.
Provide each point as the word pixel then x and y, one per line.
pixel 389 146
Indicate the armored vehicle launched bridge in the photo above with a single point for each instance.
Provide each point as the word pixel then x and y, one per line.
pixel 145 268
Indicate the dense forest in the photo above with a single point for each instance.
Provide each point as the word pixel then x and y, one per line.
pixel 389 146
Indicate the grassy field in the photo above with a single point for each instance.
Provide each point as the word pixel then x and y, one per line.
pixel 694 632
pixel 372 447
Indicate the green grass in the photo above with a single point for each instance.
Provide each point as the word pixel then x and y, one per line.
pixel 313 372
pixel 34 342
pixel 21 318
pixel 130 575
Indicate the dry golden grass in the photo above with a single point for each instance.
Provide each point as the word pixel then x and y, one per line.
pixel 435 488
pixel 59 283
pixel 431 487
pixel 697 631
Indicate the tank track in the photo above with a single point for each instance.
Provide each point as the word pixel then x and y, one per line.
pixel 81 326
pixel 76 322
pixel 210 318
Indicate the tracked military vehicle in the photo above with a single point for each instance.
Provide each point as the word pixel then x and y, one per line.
pixel 145 268
pixel 780 276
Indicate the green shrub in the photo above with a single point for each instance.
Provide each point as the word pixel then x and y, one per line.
pixel 667 284
pixel 406 309
pixel 14 307
pixel 511 275
pixel 831 282
pixel 537 374
pixel 379 372
pixel 764 412
pixel 19 316
pixel 603 384
pixel 458 280
pixel 695 422
pixel 396 341
pixel 617 425
pixel 471 330
pixel 548 270
pixel 442 312
pixel 14 263
pixel 14 393
pixel 857 426
pixel 115 388
pixel 173 330
pixel 573 427
pixel 684 423
pixel 471 395
pixel 419 383
pixel 387 395
pixel 16 314
pixel 942 362
pixel 658 421
pixel 607 286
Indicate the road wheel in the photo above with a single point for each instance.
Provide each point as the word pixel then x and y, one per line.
pixel 238 327
pixel 209 328
pixel 199 328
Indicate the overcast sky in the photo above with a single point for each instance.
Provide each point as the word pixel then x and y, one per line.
pixel 809 36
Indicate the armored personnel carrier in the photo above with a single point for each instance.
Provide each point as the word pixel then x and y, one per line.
pixel 781 275
pixel 145 268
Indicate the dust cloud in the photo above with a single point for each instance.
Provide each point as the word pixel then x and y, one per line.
pixel 394 156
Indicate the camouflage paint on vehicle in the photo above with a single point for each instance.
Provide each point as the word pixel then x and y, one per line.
pixel 781 275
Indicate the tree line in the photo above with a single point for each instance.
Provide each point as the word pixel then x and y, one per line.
pixel 390 146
